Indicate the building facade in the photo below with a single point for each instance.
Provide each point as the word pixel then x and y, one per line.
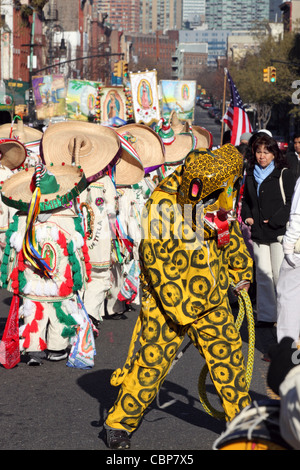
pixel 216 41
pixel 236 14
pixel 160 15
pixel 123 15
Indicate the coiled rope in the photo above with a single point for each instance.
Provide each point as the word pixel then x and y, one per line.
pixel 245 307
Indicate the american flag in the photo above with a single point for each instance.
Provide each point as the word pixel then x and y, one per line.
pixel 236 117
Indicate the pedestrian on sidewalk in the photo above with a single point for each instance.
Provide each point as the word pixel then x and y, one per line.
pixel 266 205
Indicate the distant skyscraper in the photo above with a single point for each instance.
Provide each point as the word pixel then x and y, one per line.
pixel 160 15
pixel 236 14
pixel 193 11
pixel 123 15
pixel 275 12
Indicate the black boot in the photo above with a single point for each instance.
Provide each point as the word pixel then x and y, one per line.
pixel 117 439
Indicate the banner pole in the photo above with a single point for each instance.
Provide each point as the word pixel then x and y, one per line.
pixel 224 100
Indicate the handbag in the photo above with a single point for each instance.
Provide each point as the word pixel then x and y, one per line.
pixel 280 238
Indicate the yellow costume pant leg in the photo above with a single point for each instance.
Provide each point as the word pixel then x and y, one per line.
pixel 217 339
pixel 215 336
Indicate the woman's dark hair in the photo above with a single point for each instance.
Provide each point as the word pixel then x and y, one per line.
pixel 272 146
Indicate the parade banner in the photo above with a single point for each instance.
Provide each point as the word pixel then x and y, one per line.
pixel 178 95
pixel 113 104
pixel 49 95
pixel 81 99
pixel 144 94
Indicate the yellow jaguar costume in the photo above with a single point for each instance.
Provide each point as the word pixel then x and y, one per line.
pixel 191 251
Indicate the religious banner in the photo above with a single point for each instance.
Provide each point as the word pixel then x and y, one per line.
pixel 178 95
pixel 49 93
pixel 81 99
pixel 144 94
pixel 113 104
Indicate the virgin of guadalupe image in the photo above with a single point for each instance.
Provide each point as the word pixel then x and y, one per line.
pixel 113 106
pixel 185 92
pixel 144 94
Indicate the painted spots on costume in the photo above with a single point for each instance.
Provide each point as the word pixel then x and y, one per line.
pixel 223 356
pixel 185 275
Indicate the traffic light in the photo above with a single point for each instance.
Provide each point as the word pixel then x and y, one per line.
pixel 118 69
pixel 272 74
pixel 266 75
pixel 125 69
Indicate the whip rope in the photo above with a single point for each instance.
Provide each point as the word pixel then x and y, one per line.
pixel 245 308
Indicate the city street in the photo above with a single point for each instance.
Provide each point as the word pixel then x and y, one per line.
pixel 55 407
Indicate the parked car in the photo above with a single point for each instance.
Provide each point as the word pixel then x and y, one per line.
pixel 206 104
pixel 212 111
pixel 282 143
pixel 218 117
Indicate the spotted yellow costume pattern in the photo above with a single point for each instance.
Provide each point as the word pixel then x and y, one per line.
pixel 191 251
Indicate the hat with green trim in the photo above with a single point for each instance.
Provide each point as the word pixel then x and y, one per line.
pixel 58 186
pixel 177 146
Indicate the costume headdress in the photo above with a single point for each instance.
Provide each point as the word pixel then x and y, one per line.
pixel 210 181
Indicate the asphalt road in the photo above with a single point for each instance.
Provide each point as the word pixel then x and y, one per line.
pixel 201 118
pixel 55 407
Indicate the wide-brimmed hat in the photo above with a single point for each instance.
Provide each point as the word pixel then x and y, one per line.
pixel 203 137
pixel 17 130
pixel 146 143
pixel 93 147
pixel 177 146
pixel 12 153
pixel 59 185
pixel 177 125
pixel 129 168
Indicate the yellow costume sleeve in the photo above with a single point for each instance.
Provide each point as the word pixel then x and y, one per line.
pixel 240 262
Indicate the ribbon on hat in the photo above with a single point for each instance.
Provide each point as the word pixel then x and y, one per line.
pixel 30 247
pixel 165 131
pixel 12 125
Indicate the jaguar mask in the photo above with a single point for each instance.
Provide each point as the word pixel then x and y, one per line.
pixel 209 187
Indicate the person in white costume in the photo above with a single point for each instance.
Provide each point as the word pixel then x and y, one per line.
pixel 288 311
pixel 46 263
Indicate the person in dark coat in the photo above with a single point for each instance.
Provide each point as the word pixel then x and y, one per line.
pixel 293 157
pixel 267 213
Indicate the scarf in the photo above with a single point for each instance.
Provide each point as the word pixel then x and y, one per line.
pixel 260 173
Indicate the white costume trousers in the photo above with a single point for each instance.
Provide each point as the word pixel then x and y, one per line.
pixel 268 259
pixel 288 300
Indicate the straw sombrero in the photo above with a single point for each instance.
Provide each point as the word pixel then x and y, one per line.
pixel 17 130
pixel 177 125
pixel 177 146
pixel 147 144
pixel 203 136
pixel 59 185
pixel 93 147
pixel 12 153
pixel 129 169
